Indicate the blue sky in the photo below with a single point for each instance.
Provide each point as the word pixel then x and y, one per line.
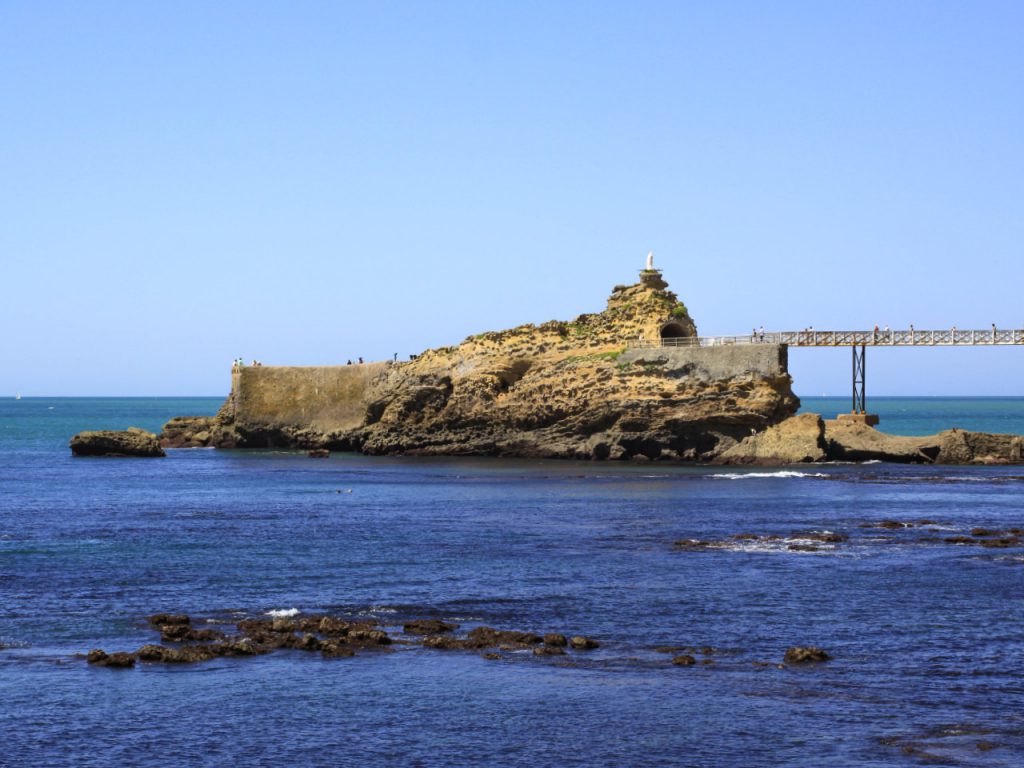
pixel 186 183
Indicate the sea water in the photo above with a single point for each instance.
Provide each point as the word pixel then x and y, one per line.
pixel 927 637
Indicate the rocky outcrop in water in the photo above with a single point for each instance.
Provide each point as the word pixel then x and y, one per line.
pixel 585 389
pixel 130 442
pixel 808 438
pixel 559 389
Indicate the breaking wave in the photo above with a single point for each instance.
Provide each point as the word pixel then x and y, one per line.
pixel 283 613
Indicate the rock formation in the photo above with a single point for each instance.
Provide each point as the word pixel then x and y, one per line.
pixel 130 442
pixel 560 389
pixel 591 388
pixel 809 438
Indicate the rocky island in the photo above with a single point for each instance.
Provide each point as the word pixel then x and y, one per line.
pixel 624 383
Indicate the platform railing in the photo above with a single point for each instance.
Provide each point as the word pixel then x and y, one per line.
pixel 901 338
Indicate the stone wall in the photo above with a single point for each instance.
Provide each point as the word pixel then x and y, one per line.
pixel 716 363
pixel 325 398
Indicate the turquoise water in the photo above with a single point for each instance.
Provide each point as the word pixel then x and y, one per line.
pixel 899 415
pixel 928 415
pixel 926 635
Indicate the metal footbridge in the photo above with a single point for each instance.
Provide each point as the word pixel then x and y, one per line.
pixel 858 341
pixel 908 338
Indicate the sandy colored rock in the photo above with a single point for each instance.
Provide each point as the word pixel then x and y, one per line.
pixel 849 441
pixel 797 440
pixel 130 442
pixel 853 441
pixel 807 438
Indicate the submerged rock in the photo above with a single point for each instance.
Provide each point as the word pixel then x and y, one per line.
pixel 488 636
pixel 130 442
pixel 805 655
pixel 100 658
pixel 548 650
pixel 428 627
pixel 336 651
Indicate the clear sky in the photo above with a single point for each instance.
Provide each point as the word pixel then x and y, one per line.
pixel 183 183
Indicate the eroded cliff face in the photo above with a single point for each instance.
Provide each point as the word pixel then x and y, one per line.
pixel 560 389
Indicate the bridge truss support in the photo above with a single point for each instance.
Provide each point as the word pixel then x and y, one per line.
pixel 859 412
pixel 859 378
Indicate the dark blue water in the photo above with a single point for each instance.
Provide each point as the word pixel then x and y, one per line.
pixel 927 637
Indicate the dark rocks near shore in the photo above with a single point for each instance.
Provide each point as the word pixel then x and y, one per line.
pixel 331 636
pixel 805 438
pixel 131 442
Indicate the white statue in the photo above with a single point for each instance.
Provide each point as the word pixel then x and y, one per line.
pixel 650 261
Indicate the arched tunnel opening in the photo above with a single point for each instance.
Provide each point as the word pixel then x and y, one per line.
pixel 673 331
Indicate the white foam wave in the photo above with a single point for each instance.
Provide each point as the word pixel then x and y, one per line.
pixel 752 475
pixel 779 547
pixel 377 609
pixel 283 613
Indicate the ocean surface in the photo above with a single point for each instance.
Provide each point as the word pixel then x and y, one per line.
pixel 926 635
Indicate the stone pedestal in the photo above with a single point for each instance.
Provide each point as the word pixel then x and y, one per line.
pixel 870 419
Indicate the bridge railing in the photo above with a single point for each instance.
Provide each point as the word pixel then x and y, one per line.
pixel 901 338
